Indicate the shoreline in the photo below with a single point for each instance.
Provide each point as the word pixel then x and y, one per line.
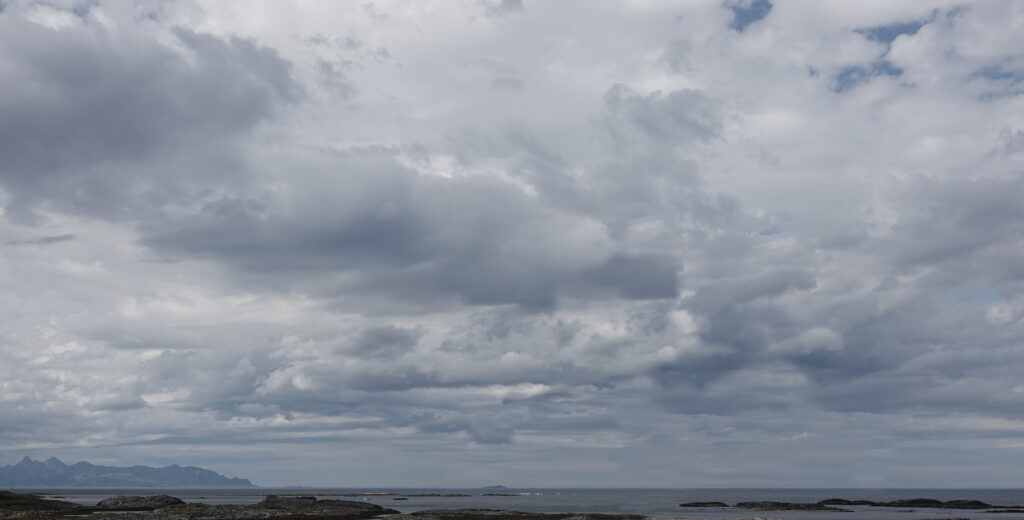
pixel 304 507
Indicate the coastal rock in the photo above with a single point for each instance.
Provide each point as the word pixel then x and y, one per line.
pixel 11 502
pixel 965 504
pixel 135 503
pixel 704 504
pixel 276 502
pixel 787 506
pixel 915 502
pixel 501 514
pixel 386 494
pixel 333 508
pixel 932 503
pixel 844 502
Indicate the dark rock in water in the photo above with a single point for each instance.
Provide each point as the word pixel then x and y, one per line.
pixel 310 506
pixel 915 502
pixel 400 498
pixel 17 502
pixel 844 502
pixel 276 502
pixel 787 506
pixel 704 504
pixel 135 503
pixel 500 514
pixel 965 504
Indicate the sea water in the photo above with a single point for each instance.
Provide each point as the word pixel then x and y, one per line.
pixel 650 502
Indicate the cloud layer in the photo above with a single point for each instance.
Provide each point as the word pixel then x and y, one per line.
pixel 523 242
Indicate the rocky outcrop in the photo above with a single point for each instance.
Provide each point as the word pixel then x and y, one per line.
pixel 500 514
pixel 704 504
pixel 923 503
pixel 915 502
pixel 787 506
pixel 844 502
pixel 277 502
pixel 310 506
pixel 135 503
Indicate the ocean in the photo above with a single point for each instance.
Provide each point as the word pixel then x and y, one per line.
pixel 650 502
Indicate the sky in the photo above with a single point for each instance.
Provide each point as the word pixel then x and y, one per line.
pixel 636 243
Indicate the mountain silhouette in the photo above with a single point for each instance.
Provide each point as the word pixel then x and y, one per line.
pixel 52 472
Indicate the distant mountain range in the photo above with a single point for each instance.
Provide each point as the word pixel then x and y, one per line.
pixel 54 473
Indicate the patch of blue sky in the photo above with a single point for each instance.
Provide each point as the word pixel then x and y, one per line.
pixel 1001 81
pixel 998 73
pixel 746 13
pixel 974 295
pixel 850 77
pixel 888 33
pixel 769 231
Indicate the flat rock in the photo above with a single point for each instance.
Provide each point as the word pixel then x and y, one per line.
pixel 333 508
pixel 787 506
pixel 704 504
pixel 137 503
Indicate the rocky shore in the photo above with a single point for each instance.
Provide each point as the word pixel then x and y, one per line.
pixel 163 507
pixel 831 504
pixel 274 507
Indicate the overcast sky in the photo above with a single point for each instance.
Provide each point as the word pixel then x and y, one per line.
pixel 602 243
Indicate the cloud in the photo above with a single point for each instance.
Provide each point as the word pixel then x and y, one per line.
pixel 43 241
pixel 87 111
pixel 735 231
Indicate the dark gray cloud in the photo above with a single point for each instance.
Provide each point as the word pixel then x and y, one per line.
pixel 484 241
pixel 677 119
pixel 500 8
pixel 640 277
pixel 86 111
pixel 42 241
